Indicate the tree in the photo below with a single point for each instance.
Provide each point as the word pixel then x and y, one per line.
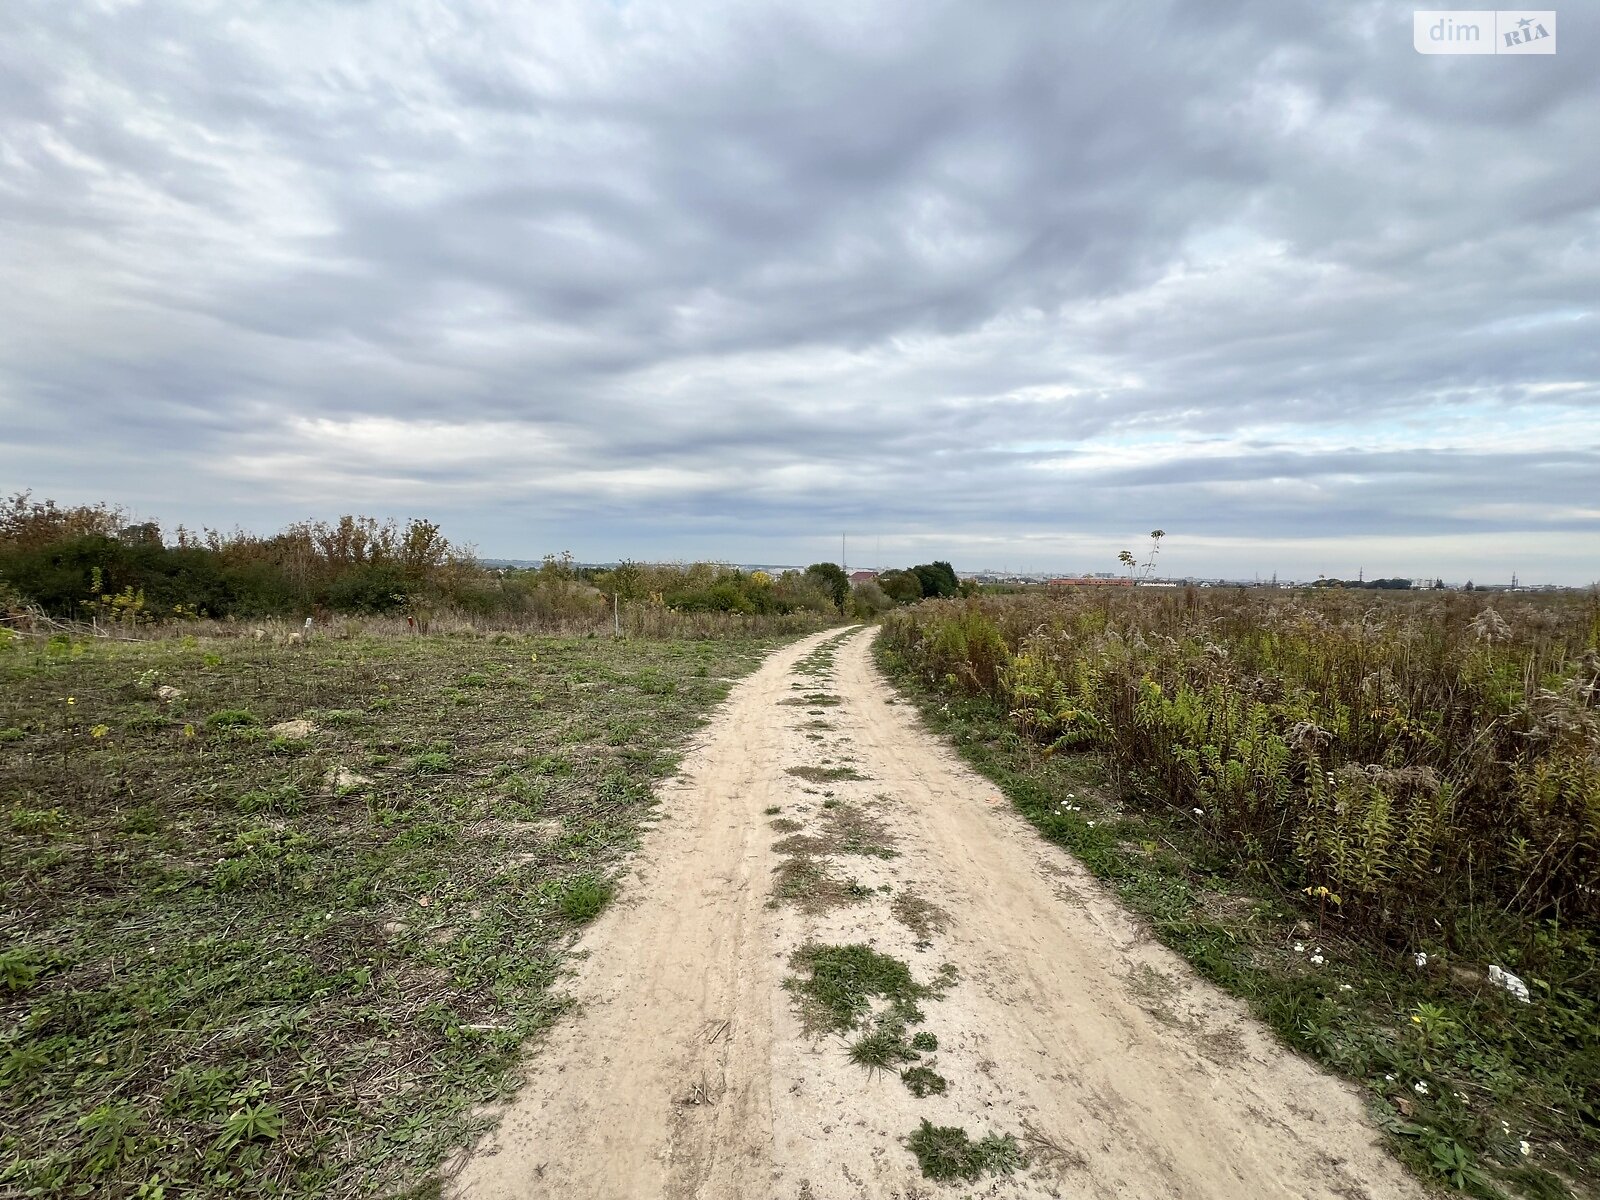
pixel 937 579
pixel 30 524
pixel 802 591
pixel 903 587
pixel 146 533
pixel 626 579
pixel 867 599
pixel 833 578
pixel 423 549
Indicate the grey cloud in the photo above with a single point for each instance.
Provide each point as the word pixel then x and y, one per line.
pixel 678 272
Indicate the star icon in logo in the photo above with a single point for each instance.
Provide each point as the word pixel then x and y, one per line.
pixel 1524 23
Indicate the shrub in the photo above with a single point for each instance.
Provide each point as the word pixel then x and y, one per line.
pixel 1411 754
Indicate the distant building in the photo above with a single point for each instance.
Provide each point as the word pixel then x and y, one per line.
pixel 1090 581
pixel 862 576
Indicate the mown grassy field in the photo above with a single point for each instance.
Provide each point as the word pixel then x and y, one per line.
pixel 248 958
pixel 1346 809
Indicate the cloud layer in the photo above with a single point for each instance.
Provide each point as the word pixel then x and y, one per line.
pixel 1012 282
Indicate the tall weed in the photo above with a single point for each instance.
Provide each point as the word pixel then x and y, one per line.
pixel 1416 756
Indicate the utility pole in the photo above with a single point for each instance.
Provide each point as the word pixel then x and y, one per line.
pixel 842 558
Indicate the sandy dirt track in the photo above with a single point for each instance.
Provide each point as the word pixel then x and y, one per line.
pixel 686 1072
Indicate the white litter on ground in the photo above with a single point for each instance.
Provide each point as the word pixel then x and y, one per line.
pixel 1511 983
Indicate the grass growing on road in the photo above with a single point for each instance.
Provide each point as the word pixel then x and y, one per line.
pixel 837 986
pixel 818 664
pixel 923 917
pixel 846 829
pixel 814 700
pixel 947 1154
pixel 241 960
pixel 813 885
pixel 856 989
pixel 826 774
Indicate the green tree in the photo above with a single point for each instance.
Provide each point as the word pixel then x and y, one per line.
pixel 867 599
pixel 626 579
pixel 833 578
pixel 937 578
pixel 903 587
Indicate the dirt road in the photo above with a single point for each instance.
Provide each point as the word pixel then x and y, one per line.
pixel 687 1071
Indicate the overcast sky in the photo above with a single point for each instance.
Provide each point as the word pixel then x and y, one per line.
pixel 1005 283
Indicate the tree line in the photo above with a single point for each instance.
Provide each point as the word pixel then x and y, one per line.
pixel 95 561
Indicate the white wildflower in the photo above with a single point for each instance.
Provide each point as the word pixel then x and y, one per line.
pixel 1524 1147
pixel 1317 960
pixel 1420 1088
pixel 1345 987
pixel 1420 959
pixel 1299 947
pixel 1388 1078
pixel 1199 812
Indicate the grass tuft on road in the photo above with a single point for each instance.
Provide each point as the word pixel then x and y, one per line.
pixel 946 1154
pixel 837 985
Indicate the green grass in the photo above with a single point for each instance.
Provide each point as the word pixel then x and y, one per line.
pixel 1493 1072
pixel 819 663
pixel 945 1153
pixel 223 974
pixel 838 989
pixel 884 1047
pixel 583 897
pixel 232 718
pixel 922 1081
pixel 837 985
